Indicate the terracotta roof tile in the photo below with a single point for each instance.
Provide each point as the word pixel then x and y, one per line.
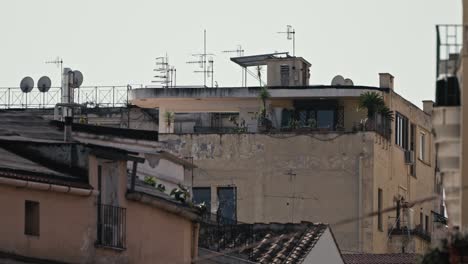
pixel 406 258
pixel 275 243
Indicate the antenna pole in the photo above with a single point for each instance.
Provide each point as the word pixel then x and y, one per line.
pixel 294 42
pixel 204 57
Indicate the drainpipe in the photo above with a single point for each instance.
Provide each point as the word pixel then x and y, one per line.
pixel 361 157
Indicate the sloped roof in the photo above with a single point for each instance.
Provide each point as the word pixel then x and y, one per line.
pixel 269 243
pixel 403 258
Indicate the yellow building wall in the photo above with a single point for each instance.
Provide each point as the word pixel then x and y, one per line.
pixel 68 227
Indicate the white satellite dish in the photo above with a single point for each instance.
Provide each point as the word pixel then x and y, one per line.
pixel 44 84
pixel 338 80
pixel 27 84
pixel 348 82
pixel 77 79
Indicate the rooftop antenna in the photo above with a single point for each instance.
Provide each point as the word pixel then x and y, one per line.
pixel 59 63
pixel 290 35
pixel 166 73
pixel 239 53
pixel 203 61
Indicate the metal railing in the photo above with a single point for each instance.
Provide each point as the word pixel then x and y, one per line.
pixel 111 226
pixel 404 231
pixel 104 96
pixel 219 234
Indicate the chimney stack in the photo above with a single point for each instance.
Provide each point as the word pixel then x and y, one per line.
pixel 386 80
pixel 427 106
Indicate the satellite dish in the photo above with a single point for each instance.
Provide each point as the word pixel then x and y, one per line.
pixel 77 79
pixel 348 82
pixel 44 84
pixel 338 80
pixel 27 84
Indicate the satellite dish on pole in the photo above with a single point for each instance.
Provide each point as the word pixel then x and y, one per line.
pixel 77 79
pixel 27 84
pixel 44 84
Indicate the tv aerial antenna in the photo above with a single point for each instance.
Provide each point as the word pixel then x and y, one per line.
pixel 166 74
pixel 59 63
pixel 290 35
pixel 204 62
pixel 239 51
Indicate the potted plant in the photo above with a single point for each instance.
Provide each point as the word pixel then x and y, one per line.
pixel 374 104
pixel 180 194
pixel 150 181
pixel 169 118
pixel 264 124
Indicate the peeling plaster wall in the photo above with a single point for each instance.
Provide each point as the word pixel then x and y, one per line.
pixel 284 177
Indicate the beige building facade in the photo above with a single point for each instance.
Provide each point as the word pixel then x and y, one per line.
pixel 72 202
pixel 333 170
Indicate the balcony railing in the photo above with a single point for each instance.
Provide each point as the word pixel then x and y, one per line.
pixel 103 96
pixel 111 228
pixel 404 231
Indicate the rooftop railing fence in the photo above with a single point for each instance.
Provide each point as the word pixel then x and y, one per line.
pixel 100 96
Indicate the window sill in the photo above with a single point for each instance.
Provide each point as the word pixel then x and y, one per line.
pixel 109 247
pixel 424 162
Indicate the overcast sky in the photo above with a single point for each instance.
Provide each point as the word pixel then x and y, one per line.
pixel 115 42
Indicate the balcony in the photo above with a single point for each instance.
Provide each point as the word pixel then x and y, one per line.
pixel 404 231
pixel 111 226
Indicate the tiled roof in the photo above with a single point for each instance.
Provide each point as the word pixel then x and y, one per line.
pixel 272 243
pixel 403 258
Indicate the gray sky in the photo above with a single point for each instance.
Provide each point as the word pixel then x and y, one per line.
pixel 115 42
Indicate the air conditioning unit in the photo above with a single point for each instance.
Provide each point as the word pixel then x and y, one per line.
pixel 409 157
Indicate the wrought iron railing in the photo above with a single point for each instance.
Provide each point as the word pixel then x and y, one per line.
pixel 111 226
pixel 105 96
pixel 404 231
pixel 220 237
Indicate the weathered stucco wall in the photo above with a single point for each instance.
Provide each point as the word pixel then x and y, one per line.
pixel 68 226
pixel 285 177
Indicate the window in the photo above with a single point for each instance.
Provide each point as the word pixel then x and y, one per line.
pixel 422 146
pixel 202 195
pixel 31 218
pixel 325 119
pixel 284 70
pixel 412 167
pixel 401 131
pixel 379 210
pixel 227 204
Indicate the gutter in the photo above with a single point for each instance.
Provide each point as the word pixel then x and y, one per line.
pixel 164 205
pixel 48 187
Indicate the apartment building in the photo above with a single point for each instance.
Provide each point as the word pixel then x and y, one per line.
pixel 79 202
pixel 320 160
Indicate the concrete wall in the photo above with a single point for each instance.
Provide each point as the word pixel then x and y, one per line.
pixel 68 225
pixel 463 73
pixel 284 177
pixel 325 251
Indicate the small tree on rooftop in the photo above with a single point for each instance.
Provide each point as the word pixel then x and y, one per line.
pixel 169 118
pixel 371 101
pixel 263 95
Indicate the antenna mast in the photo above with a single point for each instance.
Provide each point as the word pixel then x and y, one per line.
pixel 204 63
pixel 59 63
pixel 290 35
pixel 166 73
pixel 239 53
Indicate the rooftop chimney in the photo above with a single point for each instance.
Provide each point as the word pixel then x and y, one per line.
pixel 386 80
pixel 427 106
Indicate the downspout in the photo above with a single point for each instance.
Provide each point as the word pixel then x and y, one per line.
pixel 359 222
pixel 195 232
